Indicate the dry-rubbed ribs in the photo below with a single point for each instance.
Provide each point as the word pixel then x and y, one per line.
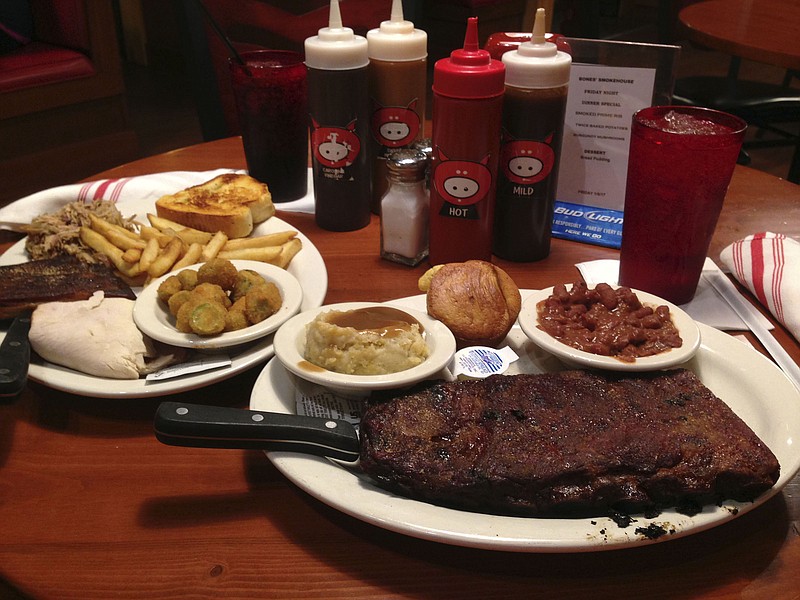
pixel 64 278
pixel 574 442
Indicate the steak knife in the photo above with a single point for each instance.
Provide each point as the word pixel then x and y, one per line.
pixel 15 355
pixel 201 426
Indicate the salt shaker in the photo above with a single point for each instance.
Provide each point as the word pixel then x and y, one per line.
pixel 404 208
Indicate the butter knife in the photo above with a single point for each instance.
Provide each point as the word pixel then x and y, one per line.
pixel 746 312
pixel 15 354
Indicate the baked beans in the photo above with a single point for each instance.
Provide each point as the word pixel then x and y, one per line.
pixel 607 321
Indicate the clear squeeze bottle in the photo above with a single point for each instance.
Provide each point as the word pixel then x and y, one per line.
pixel 467 111
pixel 537 79
pixel 338 103
pixel 398 82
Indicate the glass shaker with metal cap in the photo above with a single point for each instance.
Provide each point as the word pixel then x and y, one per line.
pixel 404 208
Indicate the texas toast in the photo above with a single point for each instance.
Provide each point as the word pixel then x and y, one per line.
pixel 232 203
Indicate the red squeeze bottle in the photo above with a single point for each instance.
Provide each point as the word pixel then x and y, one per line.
pixel 467 115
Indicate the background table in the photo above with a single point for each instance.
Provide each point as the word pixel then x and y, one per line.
pixel 760 30
pixel 92 506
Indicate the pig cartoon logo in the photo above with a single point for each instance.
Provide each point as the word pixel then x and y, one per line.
pixel 335 146
pixel 527 161
pixel 461 183
pixel 395 126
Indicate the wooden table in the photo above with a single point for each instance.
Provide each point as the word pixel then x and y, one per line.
pixel 92 506
pixel 761 30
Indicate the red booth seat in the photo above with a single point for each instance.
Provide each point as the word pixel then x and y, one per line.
pixel 39 63
pixel 62 104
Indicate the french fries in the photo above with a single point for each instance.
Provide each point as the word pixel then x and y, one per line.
pixel 164 246
pixel 214 245
pixel 265 254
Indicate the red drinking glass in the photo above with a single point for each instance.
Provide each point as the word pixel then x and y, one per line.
pixel 271 103
pixel 680 164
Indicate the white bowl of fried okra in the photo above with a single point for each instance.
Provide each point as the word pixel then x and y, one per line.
pixel 217 304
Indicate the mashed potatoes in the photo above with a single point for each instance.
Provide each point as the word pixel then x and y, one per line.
pixel 365 341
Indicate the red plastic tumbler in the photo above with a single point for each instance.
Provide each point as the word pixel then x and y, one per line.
pixel 680 164
pixel 271 103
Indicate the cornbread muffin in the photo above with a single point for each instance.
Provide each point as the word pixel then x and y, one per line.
pixel 359 343
pixel 476 300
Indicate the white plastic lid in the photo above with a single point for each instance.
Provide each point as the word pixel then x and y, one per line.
pixel 397 39
pixel 538 63
pixel 336 47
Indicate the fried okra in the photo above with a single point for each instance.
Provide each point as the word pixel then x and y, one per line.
pixel 261 302
pixel 247 278
pixel 208 318
pixel 218 271
pixel 171 285
pixel 216 298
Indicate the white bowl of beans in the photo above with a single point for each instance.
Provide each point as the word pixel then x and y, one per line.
pixel 609 327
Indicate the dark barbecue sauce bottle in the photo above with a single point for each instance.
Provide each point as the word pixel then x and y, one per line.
pixel 537 79
pixel 398 80
pixel 338 102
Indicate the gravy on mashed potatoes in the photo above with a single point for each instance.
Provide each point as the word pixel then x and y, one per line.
pixel 365 341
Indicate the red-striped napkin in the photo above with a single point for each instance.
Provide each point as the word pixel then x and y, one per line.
pixel 768 264
pixel 133 195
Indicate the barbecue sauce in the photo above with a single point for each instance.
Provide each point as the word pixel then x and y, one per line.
pixel 338 100
pixel 398 78
pixel 537 78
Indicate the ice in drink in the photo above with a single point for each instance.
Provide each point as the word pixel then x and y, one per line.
pixel 680 164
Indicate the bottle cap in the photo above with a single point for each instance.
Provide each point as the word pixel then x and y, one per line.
pixel 424 145
pixel 538 63
pixel 406 164
pixel 397 39
pixel 336 47
pixel 469 72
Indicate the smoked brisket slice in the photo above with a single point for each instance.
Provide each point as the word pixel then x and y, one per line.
pixel 63 278
pixel 566 443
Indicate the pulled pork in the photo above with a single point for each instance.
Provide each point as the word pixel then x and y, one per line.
pixel 57 233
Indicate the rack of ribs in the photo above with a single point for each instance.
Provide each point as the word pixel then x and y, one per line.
pixel 26 285
pixel 568 443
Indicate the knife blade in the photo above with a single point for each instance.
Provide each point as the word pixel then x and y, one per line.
pixel 202 426
pixel 15 355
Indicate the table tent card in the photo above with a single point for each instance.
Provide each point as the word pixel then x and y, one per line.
pixel 609 81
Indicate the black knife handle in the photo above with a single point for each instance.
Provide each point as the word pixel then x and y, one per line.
pixel 201 426
pixel 15 356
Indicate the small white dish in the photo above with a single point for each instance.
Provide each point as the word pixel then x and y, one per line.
pixel 290 341
pixel 154 319
pixel 687 328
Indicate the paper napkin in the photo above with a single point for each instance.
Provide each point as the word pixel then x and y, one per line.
pixel 768 264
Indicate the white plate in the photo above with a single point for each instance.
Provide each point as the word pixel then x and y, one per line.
pixel 290 342
pixel 748 382
pixel 687 327
pixel 308 267
pixel 153 318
